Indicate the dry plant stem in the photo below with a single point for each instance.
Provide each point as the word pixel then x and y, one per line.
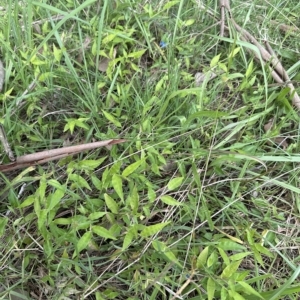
pixel 54 154
pixel 222 6
pixel 5 144
pixel 279 74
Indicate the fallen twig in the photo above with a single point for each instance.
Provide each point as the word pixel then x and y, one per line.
pixel 54 154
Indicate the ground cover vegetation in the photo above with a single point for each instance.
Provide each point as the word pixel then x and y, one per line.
pixel 201 200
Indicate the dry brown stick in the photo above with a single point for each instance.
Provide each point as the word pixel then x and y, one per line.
pixel 54 154
pixel 279 70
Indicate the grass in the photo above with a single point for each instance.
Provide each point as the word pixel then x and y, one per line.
pixel 200 202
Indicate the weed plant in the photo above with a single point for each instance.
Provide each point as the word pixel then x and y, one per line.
pixel 200 202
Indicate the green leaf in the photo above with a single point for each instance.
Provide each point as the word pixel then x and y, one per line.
pixel 169 4
pixel 84 241
pixel 236 296
pixel 239 256
pixel 230 269
pixel 211 288
pixel 96 182
pixel 163 248
pixel 174 183
pixel 189 22
pixel 131 168
pixel 117 185
pixel 202 258
pixel 234 52
pixel 79 181
pixel 249 69
pixel 90 164
pixel 228 245
pixel 170 200
pixel 127 240
pixel 153 229
pixel 55 198
pixel 28 201
pixel 103 232
pixel 111 118
pixel 57 53
pixel 137 54
pixel 249 290
pixel 3 222
pixel 215 61
pixel 133 200
pixel 111 204
pixel 97 215
pixel 42 217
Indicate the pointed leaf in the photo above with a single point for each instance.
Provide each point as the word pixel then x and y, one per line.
pixel 202 258
pixel 84 241
pixel 211 288
pixel 111 118
pixel 111 204
pixel 131 168
pixel 170 200
pixel 174 183
pixel 103 232
pixel 153 229
pixel 117 185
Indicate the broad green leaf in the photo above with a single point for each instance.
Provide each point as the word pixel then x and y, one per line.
pixel 42 217
pixel 117 185
pixel 84 241
pixel 131 168
pixel 224 293
pixel 151 194
pixel 56 184
pixel 224 256
pixel 230 269
pixel 63 221
pixel 239 256
pixel 3 222
pixel 55 198
pixel 235 296
pixel 42 188
pixel 170 200
pixel 103 232
pixel 79 181
pixel 111 204
pixel 250 290
pixel 111 118
pixel 163 248
pixel 97 215
pixel 249 69
pixel 202 258
pixel 234 52
pixel 153 229
pixel 215 61
pixel 228 245
pixel 57 53
pixel 189 22
pixel 127 240
pixel 133 199
pixel 137 54
pixel 212 259
pixel 96 182
pixel 174 183
pixel 169 4
pixel 90 164
pixel 211 288
pixel 28 201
